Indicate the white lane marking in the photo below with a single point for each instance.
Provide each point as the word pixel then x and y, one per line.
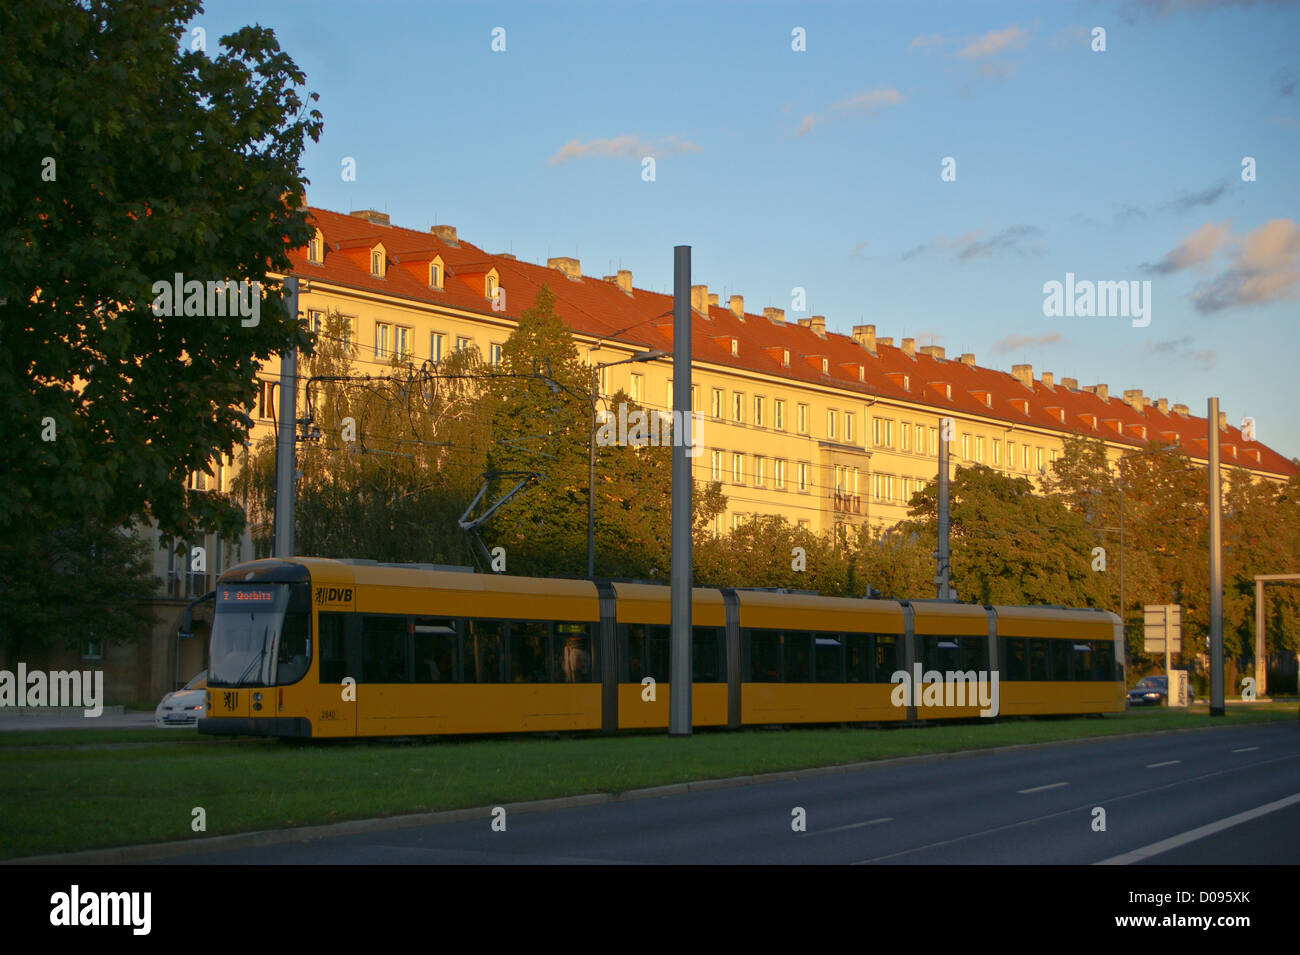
pixel 1167 762
pixel 1164 845
pixel 1065 812
pixel 852 825
pixel 1038 789
pixel 1245 749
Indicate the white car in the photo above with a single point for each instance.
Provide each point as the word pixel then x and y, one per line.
pixel 184 707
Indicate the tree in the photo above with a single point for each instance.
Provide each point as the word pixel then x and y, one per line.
pixel 1009 545
pixel 125 160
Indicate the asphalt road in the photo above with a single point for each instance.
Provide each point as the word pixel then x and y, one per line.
pixel 1032 806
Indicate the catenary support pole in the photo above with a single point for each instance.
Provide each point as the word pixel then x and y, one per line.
pixel 679 668
pixel 1216 567
pixel 285 425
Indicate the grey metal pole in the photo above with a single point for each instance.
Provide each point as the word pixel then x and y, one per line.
pixel 679 666
pixel 942 574
pixel 1260 669
pixel 1216 568
pixel 591 479
pixel 284 445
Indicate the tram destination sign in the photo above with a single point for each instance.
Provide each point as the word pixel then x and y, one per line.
pixel 1164 624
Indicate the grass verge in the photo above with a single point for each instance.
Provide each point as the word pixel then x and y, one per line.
pixel 65 790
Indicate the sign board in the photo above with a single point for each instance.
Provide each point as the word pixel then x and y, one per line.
pixel 1177 687
pixel 1163 621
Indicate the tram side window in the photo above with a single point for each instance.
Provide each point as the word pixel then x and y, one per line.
pixel 706 653
pixel 1103 661
pixel 887 657
pixel 435 651
pixel 1015 658
pixel 333 657
pixel 530 652
pixel 383 649
pixel 764 656
pixel 1038 659
pixel 573 661
pixel 973 653
pixel 939 653
pixel 1060 651
pixel 1081 651
pixel 645 648
pixel 828 651
pixel 482 651
pixel 797 656
pixel 857 658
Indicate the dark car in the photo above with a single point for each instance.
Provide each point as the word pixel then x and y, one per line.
pixel 1152 691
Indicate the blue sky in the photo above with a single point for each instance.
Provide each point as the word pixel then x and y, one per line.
pixel 820 169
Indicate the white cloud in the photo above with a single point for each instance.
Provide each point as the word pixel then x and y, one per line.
pixel 995 41
pixel 627 146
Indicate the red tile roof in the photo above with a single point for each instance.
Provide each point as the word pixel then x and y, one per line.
pixel 599 308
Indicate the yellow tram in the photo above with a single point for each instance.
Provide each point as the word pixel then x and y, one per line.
pixel 310 647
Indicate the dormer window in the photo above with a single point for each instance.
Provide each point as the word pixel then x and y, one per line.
pixel 316 249
pixel 378 261
pixel 435 273
pixel 785 357
pixel 735 347
pixel 490 285
pixel 826 365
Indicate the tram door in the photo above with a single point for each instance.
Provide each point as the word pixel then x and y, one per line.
pixel 339 641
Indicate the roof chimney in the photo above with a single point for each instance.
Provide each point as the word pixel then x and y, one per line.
pixel 571 267
pixel 1101 391
pixel 818 325
pixel 1049 379
pixel 737 305
pixel 1071 383
pixel 1133 398
pixel 1024 374
pixel 968 358
pixel 934 351
pixel 447 233
pixel 774 315
pixel 1223 421
pixel 909 347
pixel 623 279
pixel 865 335
pixel 1181 409
pixel 700 299
pixel 886 341
pixel 1163 405
pixel 713 299
pixel 370 215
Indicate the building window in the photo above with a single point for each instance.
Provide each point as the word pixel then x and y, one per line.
pixel 695 398
pixel 735 347
pixel 997 451
pixel 436 345
pixel 715 407
pixel 383 336
pixel 934 441
pixel 462 343
pixel 377 263
pixel 1038 458
pixel 889 432
pixel 638 388
pixel 848 426
pixel 266 400
pixel 1024 449
pixel 1011 454
pixel 316 249
pixel 316 321
pixel 758 471
pixel 830 423
pixel 803 419
pixel 803 476
pixel 920 439
pixel 965 447
pixel 737 469
pixel 403 341
pixel 490 287
pixel 435 275
pixel 348 323
pixel 778 414
pixel 737 406
pixel 717 465
pixel 494 355
pixel 905 432
pixel 778 474
pixel 876 431
pixel 758 411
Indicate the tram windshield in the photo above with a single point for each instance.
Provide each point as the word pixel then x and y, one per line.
pixel 260 635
